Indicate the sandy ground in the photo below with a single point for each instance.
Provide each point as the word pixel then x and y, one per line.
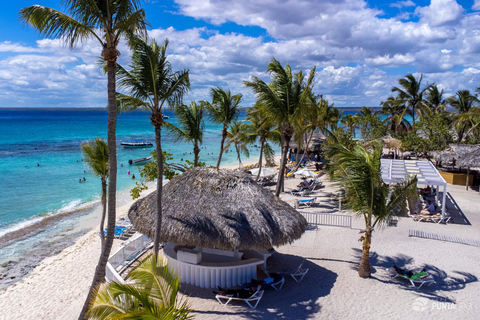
pixel 331 290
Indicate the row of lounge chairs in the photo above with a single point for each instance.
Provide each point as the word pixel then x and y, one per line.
pixel 251 293
pixel 436 218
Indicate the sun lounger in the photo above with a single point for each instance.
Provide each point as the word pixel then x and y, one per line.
pixel 417 280
pixel 426 217
pixel 300 193
pixel 438 219
pixel 307 202
pixel 297 274
pixel 252 300
pixel 275 280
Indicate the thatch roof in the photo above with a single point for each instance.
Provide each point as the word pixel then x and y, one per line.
pixel 314 145
pixel 219 209
pixel 387 141
pixel 458 156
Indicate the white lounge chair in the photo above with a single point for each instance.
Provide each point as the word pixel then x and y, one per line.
pixel 252 301
pixel 299 273
pixel 417 280
pixel 307 202
pixel 445 218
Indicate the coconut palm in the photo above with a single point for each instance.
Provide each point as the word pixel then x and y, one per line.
pixel 223 110
pixel 191 128
pixel 96 156
pixel 260 125
pixel 151 84
pixel 410 91
pixel 106 21
pixel 394 109
pixel 283 99
pixel 434 100
pixel 152 293
pixel 463 101
pixel 350 121
pixel 238 136
pixel 358 172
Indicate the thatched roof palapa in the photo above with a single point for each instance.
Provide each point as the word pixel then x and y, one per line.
pixel 458 155
pixel 219 209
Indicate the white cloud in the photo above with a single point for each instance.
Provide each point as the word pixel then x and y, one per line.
pixel 395 61
pixel 476 5
pixel 440 13
pixel 403 4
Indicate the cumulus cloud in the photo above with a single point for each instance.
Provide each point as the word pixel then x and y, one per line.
pixel 476 5
pixel 403 4
pixel 440 12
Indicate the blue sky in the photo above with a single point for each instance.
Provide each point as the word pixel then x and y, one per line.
pixel 359 48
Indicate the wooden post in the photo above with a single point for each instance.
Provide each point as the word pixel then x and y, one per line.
pixel 468 175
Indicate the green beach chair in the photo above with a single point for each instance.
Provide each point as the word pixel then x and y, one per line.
pixel 417 280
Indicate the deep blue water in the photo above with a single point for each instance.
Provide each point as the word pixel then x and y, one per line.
pixel 52 139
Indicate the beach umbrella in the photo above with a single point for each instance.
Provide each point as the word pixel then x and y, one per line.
pixel 306 173
pixel 219 209
pixel 266 172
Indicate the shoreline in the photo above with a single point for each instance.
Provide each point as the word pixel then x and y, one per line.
pixel 17 267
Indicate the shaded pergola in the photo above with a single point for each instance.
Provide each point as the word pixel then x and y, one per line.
pixel 397 171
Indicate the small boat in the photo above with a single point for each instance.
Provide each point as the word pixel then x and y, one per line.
pixel 140 161
pixel 137 143
pixel 165 116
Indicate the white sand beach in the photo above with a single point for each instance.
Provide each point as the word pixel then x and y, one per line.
pixel 332 288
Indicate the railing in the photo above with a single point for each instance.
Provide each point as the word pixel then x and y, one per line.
pixel 328 219
pixel 124 256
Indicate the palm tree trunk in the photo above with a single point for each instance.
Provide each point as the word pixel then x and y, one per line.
pixel 240 164
pixel 283 162
pixel 99 276
pixel 364 270
pixel 224 136
pixel 260 158
pixel 104 211
pixel 196 151
pixel 158 143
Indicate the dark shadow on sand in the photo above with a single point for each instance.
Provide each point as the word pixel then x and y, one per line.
pixel 294 301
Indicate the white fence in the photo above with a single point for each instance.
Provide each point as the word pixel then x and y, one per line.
pixel 328 219
pixel 124 256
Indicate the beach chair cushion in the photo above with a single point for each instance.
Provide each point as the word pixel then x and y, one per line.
pixel 307 202
pixel 417 280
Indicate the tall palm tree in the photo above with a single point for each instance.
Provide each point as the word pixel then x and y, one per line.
pixel 283 99
pixel 238 136
pixel 151 84
pixel 152 293
pixel 463 101
pixel 107 21
pixel 350 121
pixel 410 91
pixel 96 156
pixel 364 117
pixel 224 109
pixel 394 109
pixel 191 128
pixel 434 100
pixel 359 173
pixel 261 126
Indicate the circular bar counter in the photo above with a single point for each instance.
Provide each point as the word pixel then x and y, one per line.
pixel 210 274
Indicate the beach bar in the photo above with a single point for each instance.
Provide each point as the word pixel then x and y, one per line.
pixel 218 226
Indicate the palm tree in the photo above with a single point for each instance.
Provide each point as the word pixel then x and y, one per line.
pixel 261 126
pixel 350 121
pixel 434 100
pixel 411 93
pixel 152 84
pixel 364 117
pixel 192 126
pixel 152 293
pixel 96 155
pixel 224 109
pixel 359 174
pixel 238 135
pixel 395 110
pixel 463 101
pixel 283 99
pixel 107 21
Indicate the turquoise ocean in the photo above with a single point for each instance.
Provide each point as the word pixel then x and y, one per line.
pixel 41 164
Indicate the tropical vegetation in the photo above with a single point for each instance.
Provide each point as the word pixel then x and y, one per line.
pixel 108 22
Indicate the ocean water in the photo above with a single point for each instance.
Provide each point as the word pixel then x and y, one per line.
pixel 41 160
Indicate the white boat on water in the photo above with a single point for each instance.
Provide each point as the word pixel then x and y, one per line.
pixel 140 161
pixel 137 143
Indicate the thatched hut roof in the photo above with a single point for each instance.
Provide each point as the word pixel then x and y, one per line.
pixel 387 141
pixel 315 143
pixel 458 156
pixel 219 209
